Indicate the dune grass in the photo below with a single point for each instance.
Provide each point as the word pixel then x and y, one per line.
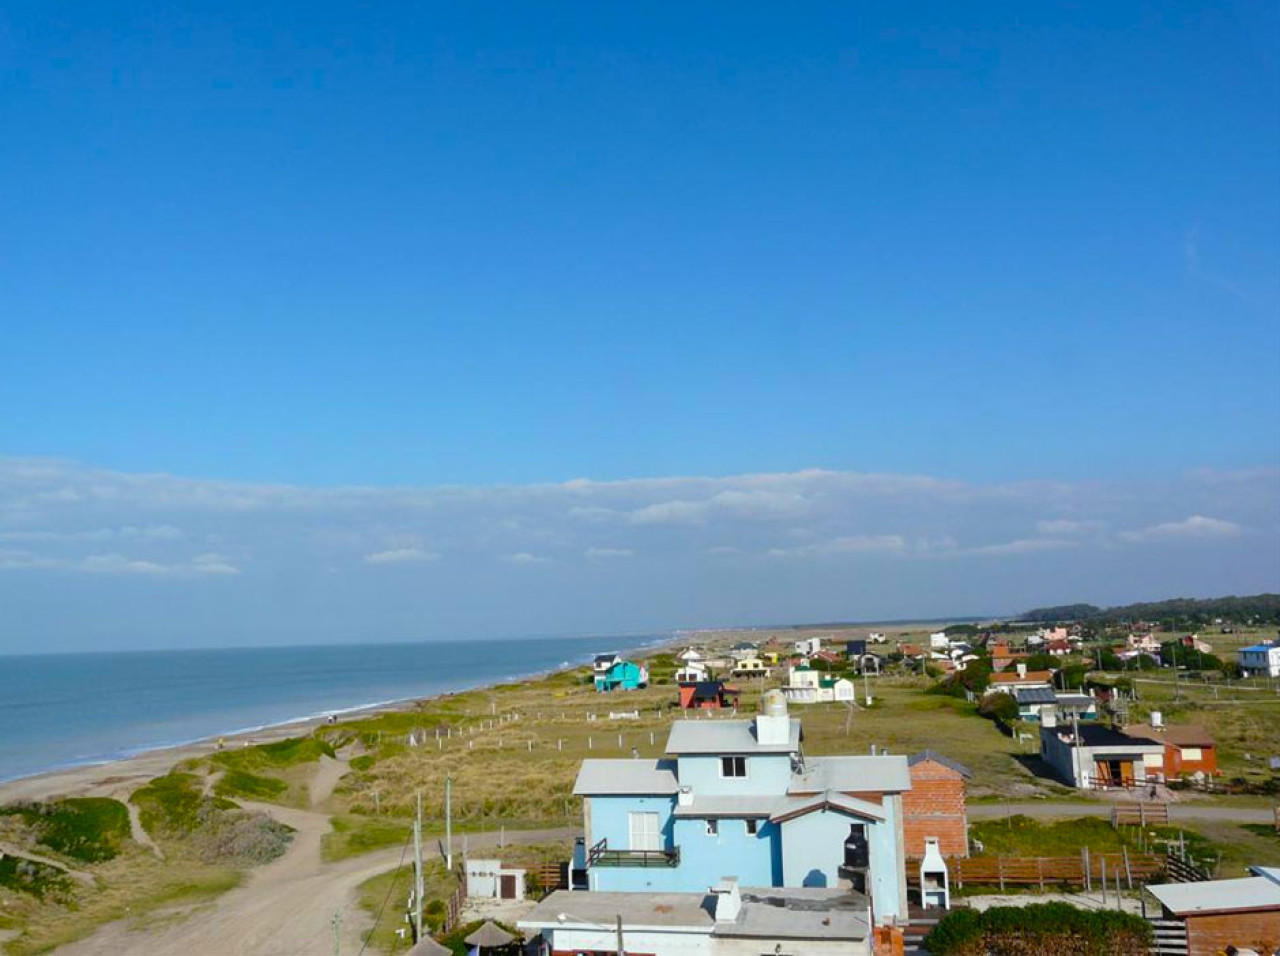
pixel 354 834
pixel 241 783
pixel 83 829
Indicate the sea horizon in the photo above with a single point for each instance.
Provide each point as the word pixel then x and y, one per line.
pixel 71 709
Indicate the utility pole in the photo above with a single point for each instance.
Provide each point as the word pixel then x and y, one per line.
pixel 337 933
pixel 418 881
pixel 448 823
pixel 621 949
pixel 1177 688
pixel 1075 740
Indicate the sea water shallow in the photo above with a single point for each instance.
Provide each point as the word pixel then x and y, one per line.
pixel 67 709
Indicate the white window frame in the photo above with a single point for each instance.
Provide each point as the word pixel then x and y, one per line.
pixel 730 761
pixel 644 818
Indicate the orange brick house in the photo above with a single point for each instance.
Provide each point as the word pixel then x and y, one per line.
pixel 1188 748
pixel 1223 916
pixel 935 806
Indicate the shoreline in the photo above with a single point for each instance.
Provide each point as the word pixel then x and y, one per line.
pixel 113 775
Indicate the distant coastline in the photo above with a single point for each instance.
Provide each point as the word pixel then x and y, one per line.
pixel 95 762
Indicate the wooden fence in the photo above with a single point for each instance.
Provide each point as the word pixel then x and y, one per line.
pixel 1141 813
pixel 1046 871
pixel 549 876
pixel 1180 870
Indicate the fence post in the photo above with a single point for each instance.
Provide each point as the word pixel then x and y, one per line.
pixel 1142 813
pixel 1088 876
pixel 1040 871
pixel 1128 873
pixel 1000 871
pixel 1104 881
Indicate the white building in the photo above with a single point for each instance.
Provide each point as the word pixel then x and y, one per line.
pixel 490 879
pixel 1260 660
pixel 692 672
pixel 807 686
pixel 939 641
pixel 808 646
pixel 727 921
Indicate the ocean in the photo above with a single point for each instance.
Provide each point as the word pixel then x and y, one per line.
pixel 67 709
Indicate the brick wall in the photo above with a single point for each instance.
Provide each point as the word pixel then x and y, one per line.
pixel 935 807
pixel 887 941
pixel 1211 935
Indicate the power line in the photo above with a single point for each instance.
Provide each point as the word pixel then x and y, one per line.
pixel 399 866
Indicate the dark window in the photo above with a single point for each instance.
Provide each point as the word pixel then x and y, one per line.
pixel 713 827
pixel 733 766
pixel 753 827
pixel 856 851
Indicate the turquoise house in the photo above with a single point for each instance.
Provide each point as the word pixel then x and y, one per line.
pixel 622 675
pixel 739 798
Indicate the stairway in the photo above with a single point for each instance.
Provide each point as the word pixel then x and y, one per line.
pixel 920 922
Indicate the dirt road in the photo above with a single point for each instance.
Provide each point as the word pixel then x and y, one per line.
pixel 1178 813
pixel 285 908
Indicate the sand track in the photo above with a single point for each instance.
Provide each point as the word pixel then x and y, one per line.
pixel 284 908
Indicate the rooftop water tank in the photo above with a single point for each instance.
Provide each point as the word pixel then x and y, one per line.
pixel 773 704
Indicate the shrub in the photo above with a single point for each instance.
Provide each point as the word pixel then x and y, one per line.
pixel 34 879
pixel 999 706
pixel 1039 928
pixel 88 829
pixel 238 837
pixel 241 783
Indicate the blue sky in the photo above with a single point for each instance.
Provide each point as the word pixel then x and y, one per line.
pixel 329 247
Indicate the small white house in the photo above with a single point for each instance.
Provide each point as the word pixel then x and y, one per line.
pixel 938 640
pixel 491 879
pixel 877 637
pixel 807 686
pixel 1260 660
pixel 693 672
pixel 690 655
pixel 808 646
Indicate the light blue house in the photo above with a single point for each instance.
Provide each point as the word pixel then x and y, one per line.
pixel 739 798
pixel 622 675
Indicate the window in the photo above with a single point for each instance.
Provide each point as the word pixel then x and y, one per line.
pixel 713 828
pixel 753 827
pixel 733 766
pixel 645 834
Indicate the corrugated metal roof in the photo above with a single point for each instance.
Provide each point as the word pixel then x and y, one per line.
pixel 1218 896
pixel 744 806
pixel 799 806
pixel 1035 695
pixel 879 774
pixel 725 737
pixel 619 777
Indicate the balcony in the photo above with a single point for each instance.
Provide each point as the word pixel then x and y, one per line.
pixel 601 855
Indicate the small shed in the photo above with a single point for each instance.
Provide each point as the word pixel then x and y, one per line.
pixel 490 879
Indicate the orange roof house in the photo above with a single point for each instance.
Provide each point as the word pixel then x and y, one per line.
pixel 1188 748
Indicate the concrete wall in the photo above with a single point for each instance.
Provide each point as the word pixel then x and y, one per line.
pixel 766 774
pixel 605 940
pixel 813 851
pixel 609 819
pixel 755 859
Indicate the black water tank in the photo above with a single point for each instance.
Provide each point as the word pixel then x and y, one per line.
pixel 857 855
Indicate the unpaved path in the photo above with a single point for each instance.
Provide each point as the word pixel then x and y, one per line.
pixel 9 849
pixel 1178 812
pixel 285 908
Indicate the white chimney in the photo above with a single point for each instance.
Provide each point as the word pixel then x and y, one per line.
pixel 1022 669
pixel 773 725
pixel 728 901
pixel 1157 720
pixel 684 796
pixel 1048 718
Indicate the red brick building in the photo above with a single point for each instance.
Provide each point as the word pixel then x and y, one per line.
pixel 935 806
pixel 1221 914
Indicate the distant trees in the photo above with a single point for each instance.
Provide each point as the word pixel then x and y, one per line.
pixel 1173 613
pixel 1000 706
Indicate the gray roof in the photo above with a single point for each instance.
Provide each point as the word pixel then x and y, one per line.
pixel 799 806
pixel 1219 896
pixel 429 947
pixel 770 913
pixel 744 806
pixel 936 757
pixel 795 913
pixel 489 936
pixel 626 777
pixel 662 911
pixel 1035 695
pixel 725 737
pixel 857 774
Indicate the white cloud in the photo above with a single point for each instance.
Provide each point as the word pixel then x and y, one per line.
pixel 607 553
pixel 1022 546
pixel 524 557
pixel 401 556
pixel 849 544
pixel 1195 527
pixel 1066 526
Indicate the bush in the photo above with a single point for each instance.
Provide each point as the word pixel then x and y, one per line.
pixel 999 706
pixel 1056 928
pixel 238 837
pixel 88 829
pixel 34 879
pixel 241 783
